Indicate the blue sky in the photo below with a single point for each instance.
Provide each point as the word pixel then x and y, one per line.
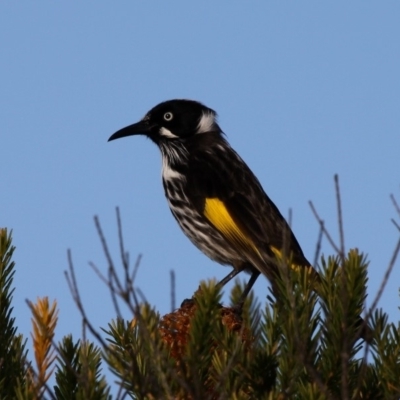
pixel 304 90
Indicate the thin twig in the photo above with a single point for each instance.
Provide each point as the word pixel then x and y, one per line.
pixel 385 280
pixel 126 292
pixel 99 273
pixel 124 256
pixel 103 240
pixel 109 283
pixel 344 355
pixel 141 295
pixel 113 292
pixel 340 218
pixel 397 208
pixel 136 268
pixel 319 244
pixel 73 287
pixel 395 203
pixel 113 277
pixel 396 224
pixel 322 225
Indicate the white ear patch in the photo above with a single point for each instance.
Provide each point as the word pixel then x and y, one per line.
pixel 206 123
pixel 167 133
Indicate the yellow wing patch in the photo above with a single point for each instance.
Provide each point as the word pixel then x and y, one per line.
pixel 216 212
pixel 294 267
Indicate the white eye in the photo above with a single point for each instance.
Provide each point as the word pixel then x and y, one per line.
pixel 168 116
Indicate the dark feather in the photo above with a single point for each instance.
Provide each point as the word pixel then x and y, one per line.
pixel 239 189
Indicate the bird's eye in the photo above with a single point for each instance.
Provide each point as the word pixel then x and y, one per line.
pixel 168 116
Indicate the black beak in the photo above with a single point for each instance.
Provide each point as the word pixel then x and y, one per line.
pixel 141 127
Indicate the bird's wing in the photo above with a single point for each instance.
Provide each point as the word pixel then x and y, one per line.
pixel 234 202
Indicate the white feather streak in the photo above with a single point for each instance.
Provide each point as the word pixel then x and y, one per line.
pixel 206 123
pixel 167 133
pixel 169 173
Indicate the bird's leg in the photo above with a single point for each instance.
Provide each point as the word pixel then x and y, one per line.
pixel 231 275
pixel 237 270
pixel 254 275
pixel 224 281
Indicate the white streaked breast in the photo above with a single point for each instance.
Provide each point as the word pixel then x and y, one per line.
pixel 168 172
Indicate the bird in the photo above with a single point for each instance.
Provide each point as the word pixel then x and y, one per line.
pixel 214 196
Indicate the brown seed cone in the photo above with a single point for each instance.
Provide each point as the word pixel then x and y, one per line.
pixel 175 326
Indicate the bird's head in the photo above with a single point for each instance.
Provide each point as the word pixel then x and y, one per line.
pixel 173 120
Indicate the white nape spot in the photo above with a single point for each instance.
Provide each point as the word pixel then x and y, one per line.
pixel 206 123
pixel 169 173
pixel 167 133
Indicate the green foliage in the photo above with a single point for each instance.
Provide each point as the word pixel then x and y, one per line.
pixel 137 356
pixel 303 345
pixel 387 354
pixel 300 348
pixel 78 373
pixel 12 345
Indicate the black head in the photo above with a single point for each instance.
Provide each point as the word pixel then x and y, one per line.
pixel 173 120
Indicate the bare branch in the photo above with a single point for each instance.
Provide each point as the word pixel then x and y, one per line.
pixel 340 218
pixel 319 244
pixel 323 228
pixel 389 270
pixel 396 224
pixel 124 255
pixel 73 287
pixel 395 203
pixel 103 240
pixel 344 353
